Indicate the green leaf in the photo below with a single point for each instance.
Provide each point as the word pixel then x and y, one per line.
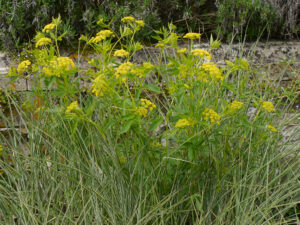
pixel 156 123
pixel 152 88
pixel 126 126
pixel 157 38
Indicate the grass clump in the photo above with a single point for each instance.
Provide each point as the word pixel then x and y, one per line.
pixel 170 142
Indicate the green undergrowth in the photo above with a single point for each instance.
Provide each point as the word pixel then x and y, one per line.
pixel 175 140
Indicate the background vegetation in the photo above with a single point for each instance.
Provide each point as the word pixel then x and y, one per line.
pixel 19 19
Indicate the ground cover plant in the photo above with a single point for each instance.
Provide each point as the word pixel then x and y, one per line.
pixel 168 141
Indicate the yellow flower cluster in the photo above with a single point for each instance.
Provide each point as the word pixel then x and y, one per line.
pixel 268 106
pixel 99 85
pixel 142 111
pixel 211 115
pixel 23 66
pixel 42 42
pixel 127 19
pixel 201 53
pixel 148 65
pixel 183 123
pixel 271 128
pixel 123 69
pixel 192 36
pixel 121 53
pixel 236 105
pixel 212 70
pixel 49 27
pixel 72 107
pixel 182 51
pixel 58 66
pixel 102 35
pixel 148 104
pixel 140 23
pixel 106 33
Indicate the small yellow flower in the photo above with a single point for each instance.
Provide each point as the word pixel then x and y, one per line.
pixel 148 65
pixel 268 106
pixel 140 23
pixel 211 115
pixel 148 104
pixel 121 53
pixel 182 51
pixel 72 107
pixel 159 45
pixel 47 71
pixel 201 53
pixel 142 111
pixel 124 69
pixel 212 70
pixel 236 105
pixel 42 42
pixel 58 66
pixel 183 123
pixel 127 19
pixel 23 66
pixel 105 33
pixel 97 39
pixel 271 128
pixel 192 36
pixel 1 150
pixel 49 27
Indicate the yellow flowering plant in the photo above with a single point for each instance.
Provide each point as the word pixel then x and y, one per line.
pixel 181 100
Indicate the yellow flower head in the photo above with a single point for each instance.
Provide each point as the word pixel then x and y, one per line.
pixel 192 36
pixel 140 23
pixel 105 33
pixel 211 115
pixel 121 53
pixel 212 70
pixel 58 66
pixel 123 69
pixel 148 65
pixel 72 107
pixel 236 105
pixel 127 19
pixel 271 128
pixel 182 123
pixel 49 27
pixel 181 51
pixel 148 104
pixel 23 66
pixel 142 111
pixel 97 39
pixel 42 42
pixel 268 106
pixel 99 85
pixel 201 53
